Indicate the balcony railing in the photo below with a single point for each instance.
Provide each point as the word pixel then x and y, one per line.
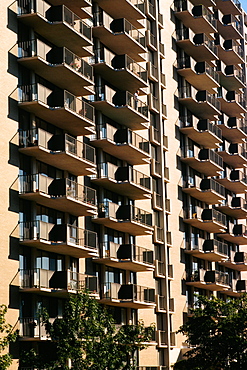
pixel 127 252
pixel 234 46
pixel 66 15
pixel 213 245
pixel 202 154
pixel 57 188
pixel 230 19
pixel 198 39
pixel 36 47
pixel 40 93
pixel 40 230
pixel 128 292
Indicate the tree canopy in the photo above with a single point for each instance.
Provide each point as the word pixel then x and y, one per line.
pixel 6 337
pixel 87 337
pixel 216 332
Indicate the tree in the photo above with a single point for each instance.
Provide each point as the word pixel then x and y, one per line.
pixel 6 337
pixel 86 337
pixel 217 335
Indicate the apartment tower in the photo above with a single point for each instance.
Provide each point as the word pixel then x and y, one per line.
pixel 123 161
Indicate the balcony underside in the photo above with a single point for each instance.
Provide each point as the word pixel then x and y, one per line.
pixel 233 134
pixel 232 109
pixel 127 304
pixel 71 80
pixel 206 3
pixel 129 189
pixel 131 265
pixel 208 286
pixel 63 204
pixel 120 43
pixel 209 226
pixel 228 32
pixel 126 152
pixel 234 160
pixel 233 212
pixel 131 227
pixel 59 33
pixel 209 256
pixel 63 160
pixel 232 293
pixel 207 167
pixel 77 6
pixel 197 25
pixel 200 53
pixel 62 117
pixel 238 266
pixel 237 187
pixel 241 239
pixel 62 248
pixel 124 115
pixel 229 57
pixel 205 138
pixel 228 7
pixel 122 79
pixel 51 292
pixel 207 196
pixel 123 9
pixel 231 82
pixel 199 80
pixel 200 109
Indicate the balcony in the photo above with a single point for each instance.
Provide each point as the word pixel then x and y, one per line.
pixel 157 202
pixel 122 107
pixel 209 220
pixel 59 283
pixel 234 155
pixel 236 234
pixel 231 77
pixel 158 235
pixel 211 280
pixel 198 74
pixel 235 180
pixel 127 295
pixel 120 70
pixel 61 151
pixel 238 288
pixel 126 257
pixel 229 51
pixel 77 6
pixel 132 10
pixel 236 261
pixel 32 329
pixel 210 249
pixel 199 46
pixel 233 129
pixel 234 206
pixel 196 17
pixel 206 190
pixel 58 24
pixel 122 143
pixel 61 194
pixel 50 63
pixel 58 107
pixel 200 103
pixel 124 180
pixel 120 36
pixel 231 27
pixel 160 269
pixel 232 103
pixel 125 218
pixel 202 131
pixel 62 238
pixel 205 161
pixel 229 6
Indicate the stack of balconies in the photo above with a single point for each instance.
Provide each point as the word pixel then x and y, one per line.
pixel 210 57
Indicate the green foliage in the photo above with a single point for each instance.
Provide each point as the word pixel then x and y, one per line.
pixel 6 336
pixel 87 336
pixel 217 335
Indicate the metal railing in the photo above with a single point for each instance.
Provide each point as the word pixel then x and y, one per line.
pixel 40 137
pixel 39 182
pixel 136 104
pixel 222 277
pixel 190 152
pixel 216 247
pixel 41 7
pixel 140 293
pixel 235 47
pixel 135 68
pixel 40 93
pixel 36 47
pixel 32 327
pixel 140 216
pixel 137 254
pixel 234 22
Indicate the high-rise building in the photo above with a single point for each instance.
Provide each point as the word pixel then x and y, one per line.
pixel 123 161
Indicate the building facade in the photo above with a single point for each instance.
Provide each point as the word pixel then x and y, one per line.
pixel 123 161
